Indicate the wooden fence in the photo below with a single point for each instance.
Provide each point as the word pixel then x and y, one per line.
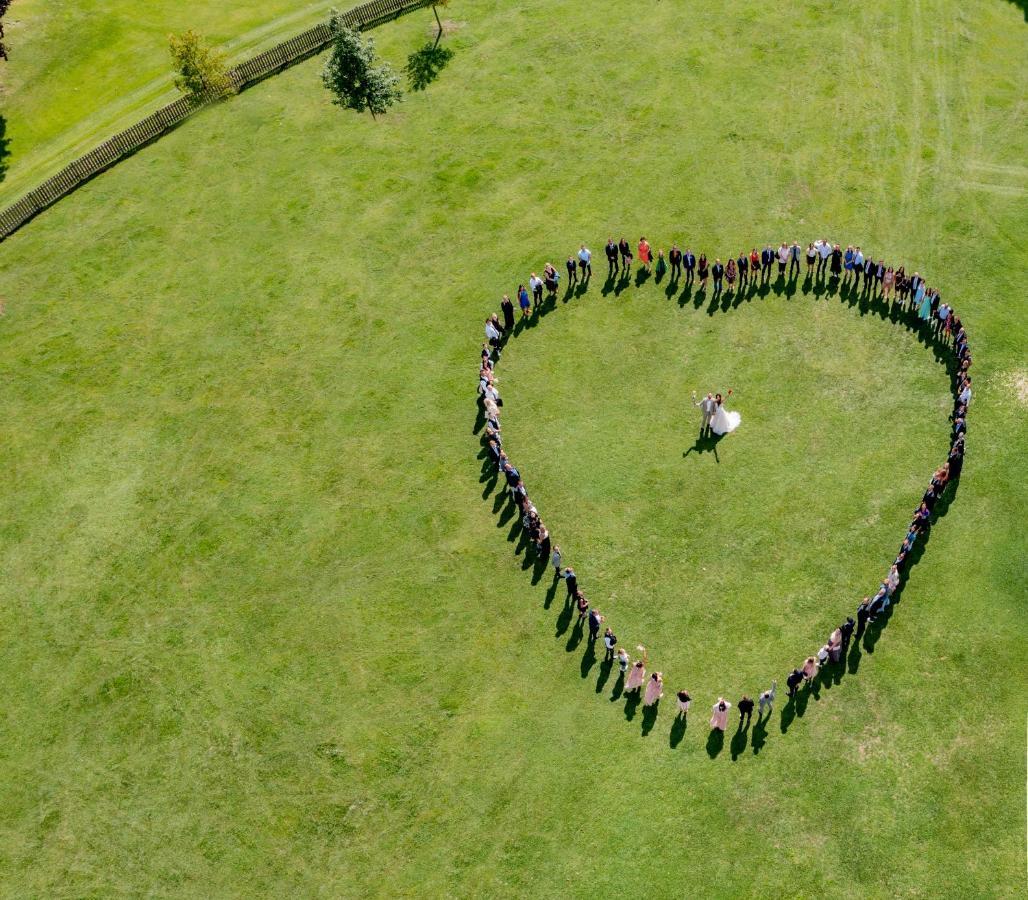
pixel 304 45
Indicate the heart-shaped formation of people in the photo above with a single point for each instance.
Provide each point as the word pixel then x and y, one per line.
pixel 921 309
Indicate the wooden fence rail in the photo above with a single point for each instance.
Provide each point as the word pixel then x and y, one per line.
pixel 300 47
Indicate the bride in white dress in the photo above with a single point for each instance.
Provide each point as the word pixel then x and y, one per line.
pixel 723 420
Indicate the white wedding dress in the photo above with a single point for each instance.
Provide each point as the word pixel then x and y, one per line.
pixel 724 421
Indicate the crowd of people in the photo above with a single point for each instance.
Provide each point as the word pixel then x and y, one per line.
pixel 823 260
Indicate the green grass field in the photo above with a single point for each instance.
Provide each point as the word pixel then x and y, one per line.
pixel 80 71
pixel 262 634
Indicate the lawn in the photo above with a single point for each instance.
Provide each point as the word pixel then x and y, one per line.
pixel 263 634
pixel 80 71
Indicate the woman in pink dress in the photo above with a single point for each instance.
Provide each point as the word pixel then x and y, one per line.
pixel 809 669
pixel 720 717
pixel 637 674
pixel 654 689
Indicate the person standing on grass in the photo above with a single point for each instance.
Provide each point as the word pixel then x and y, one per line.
pixel 719 717
pixel 812 257
pixel 508 314
pixel 836 261
pixel 730 272
pixel 550 278
pixel 654 689
pixel 809 669
pixel 585 262
pixel 689 263
pixel 824 252
pixel 610 641
pixel 719 273
pixel 767 259
pixel 555 560
pixel 704 272
pixel 637 675
pixel 848 265
pixel 674 257
pixel 623 661
pixel 794 260
pixel 767 699
pixel 536 284
pixel 743 264
pixel 595 620
pixel 684 702
pixel 571 582
pixel 572 271
pixel 846 630
pixel 626 256
pixel 754 266
pixel 858 267
pixel 523 301
pixel 783 259
pixel 792 681
pixel 745 707
pixel 493 332
pixel 863 613
pixel 645 254
pixel 888 281
pixel 611 249
pixel 661 266
pixel 582 604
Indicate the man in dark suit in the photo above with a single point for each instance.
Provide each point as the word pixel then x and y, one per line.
pixel 612 257
pixel 767 259
pixel 571 580
pixel 689 262
pixel 718 271
pixel 675 258
pixel 847 632
pixel 793 681
pixel 745 707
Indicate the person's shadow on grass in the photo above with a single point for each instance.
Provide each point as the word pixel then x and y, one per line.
pixel 706 444
pixel 632 703
pixel 588 658
pixel 649 718
pixel 619 687
pixel 715 742
pixel 759 737
pixel 678 728
pixel 739 740
pixel 605 669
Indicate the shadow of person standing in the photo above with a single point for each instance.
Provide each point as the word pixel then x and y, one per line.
pixel 715 742
pixel 678 728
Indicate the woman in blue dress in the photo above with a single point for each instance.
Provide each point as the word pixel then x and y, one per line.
pixel 923 302
pixel 847 264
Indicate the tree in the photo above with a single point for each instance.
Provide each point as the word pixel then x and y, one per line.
pixel 4 5
pixel 353 76
pixel 202 71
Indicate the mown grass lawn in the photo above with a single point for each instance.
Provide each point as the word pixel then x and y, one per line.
pixel 262 633
pixel 80 70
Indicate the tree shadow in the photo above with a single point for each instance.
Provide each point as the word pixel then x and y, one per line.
pixel 715 742
pixel 5 148
pixel 678 728
pixel 425 64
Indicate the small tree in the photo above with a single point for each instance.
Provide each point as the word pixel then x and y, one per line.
pixel 353 76
pixel 202 70
pixel 4 4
